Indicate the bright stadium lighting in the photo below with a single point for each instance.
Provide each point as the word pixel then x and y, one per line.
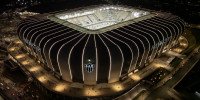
pixel 100 17
pixel 136 14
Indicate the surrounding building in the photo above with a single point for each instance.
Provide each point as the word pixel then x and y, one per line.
pixel 99 44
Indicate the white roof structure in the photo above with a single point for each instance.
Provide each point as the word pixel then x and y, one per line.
pixel 99 17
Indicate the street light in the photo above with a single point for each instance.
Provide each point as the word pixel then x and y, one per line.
pixel 42 78
pixel 26 62
pixel 60 87
pixel 34 68
pixel 135 77
pixel 117 87
pixel 12 49
pixel 20 56
pixel 18 42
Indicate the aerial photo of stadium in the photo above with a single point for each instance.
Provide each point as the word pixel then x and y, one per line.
pixel 95 51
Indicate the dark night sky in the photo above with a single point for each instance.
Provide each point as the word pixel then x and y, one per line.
pixel 186 9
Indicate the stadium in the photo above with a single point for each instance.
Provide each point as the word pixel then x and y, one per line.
pixel 99 44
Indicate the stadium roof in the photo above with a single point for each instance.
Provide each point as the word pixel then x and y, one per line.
pixel 99 19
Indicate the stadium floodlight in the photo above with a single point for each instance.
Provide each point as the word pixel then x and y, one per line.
pixel 136 14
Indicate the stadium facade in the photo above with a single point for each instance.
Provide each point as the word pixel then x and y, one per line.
pixel 99 44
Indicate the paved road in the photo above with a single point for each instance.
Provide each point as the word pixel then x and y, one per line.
pixel 140 87
pixel 166 91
